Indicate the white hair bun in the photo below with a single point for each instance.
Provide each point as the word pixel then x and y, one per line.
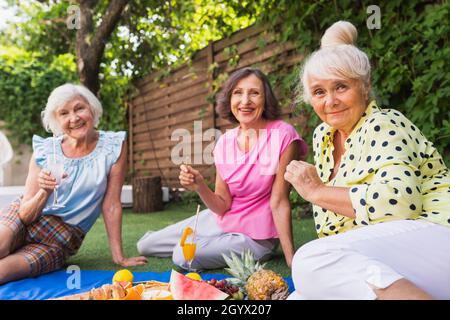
pixel 341 32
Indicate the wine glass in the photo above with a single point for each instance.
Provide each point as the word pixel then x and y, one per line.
pixel 189 253
pixel 190 248
pixel 56 166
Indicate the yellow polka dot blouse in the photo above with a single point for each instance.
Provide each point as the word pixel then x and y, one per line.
pixel 392 170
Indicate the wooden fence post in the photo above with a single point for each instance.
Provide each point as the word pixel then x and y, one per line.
pixel 211 75
pixel 130 138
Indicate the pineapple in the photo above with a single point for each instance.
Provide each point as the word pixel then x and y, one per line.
pixel 257 282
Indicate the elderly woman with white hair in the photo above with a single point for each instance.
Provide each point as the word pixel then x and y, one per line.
pixel 36 237
pixel 380 190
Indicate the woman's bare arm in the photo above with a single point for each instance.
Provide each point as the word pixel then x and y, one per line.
pixel 218 201
pixel 38 188
pixel 280 205
pixel 112 211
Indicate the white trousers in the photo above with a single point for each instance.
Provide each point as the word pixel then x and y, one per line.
pixel 211 241
pixel 341 266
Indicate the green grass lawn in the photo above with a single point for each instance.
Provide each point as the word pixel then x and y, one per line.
pixel 94 254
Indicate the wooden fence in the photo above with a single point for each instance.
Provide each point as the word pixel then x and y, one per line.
pixel 166 103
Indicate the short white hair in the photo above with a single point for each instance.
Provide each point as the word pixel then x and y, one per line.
pixel 63 94
pixel 338 57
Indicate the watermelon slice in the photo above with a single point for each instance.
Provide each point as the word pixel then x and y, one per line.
pixel 184 288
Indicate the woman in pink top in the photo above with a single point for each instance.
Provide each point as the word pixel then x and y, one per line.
pixel 249 208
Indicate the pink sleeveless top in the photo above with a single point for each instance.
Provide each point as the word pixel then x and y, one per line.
pixel 250 176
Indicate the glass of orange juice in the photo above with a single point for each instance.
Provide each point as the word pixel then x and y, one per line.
pixel 188 248
pixel 189 253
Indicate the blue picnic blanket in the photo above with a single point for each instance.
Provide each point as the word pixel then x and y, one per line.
pixel 61 283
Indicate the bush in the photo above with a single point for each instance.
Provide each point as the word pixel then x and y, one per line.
pixel 408 55
pixel 191 198
pixel 26 81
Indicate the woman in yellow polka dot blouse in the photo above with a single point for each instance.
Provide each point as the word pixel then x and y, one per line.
pixel 376 176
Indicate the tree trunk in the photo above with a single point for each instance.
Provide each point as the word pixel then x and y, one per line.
pixel 147 194
pixel 90 44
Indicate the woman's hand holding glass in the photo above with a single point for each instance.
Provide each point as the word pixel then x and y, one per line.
pixel 50 178
pixel 47 181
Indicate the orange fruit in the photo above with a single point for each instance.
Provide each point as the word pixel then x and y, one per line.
pixel 194 276
pixel 188 231
pixel 139 288
pixel 123 275
pixel 134 293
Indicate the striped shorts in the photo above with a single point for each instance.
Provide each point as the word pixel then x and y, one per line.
pixel 46 243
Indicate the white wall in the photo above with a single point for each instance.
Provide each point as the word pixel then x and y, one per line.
pixel 19 165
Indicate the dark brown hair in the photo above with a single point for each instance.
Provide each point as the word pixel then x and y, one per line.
pixel 271 106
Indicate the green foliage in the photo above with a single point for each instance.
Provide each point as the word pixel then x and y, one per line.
pixel 232 55
pixel 408 54
pixel 191 198
pixel 40 28
pixel 295 199
pixel 151 35
pixel 114 95
pixel 168 33
pixel 26 80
